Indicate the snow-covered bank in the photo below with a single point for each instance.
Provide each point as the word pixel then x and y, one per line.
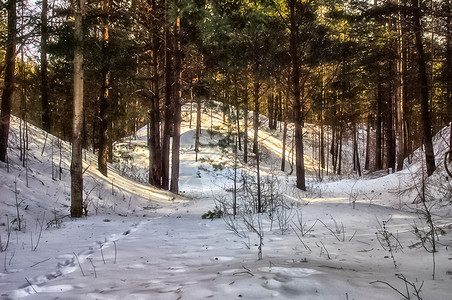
pixel 347 239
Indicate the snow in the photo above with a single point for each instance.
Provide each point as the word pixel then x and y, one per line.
pixel 138 242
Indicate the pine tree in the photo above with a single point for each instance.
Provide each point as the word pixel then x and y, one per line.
pixel 76 162
pixel 424 90
pixel 46 121
pixel 8 91
pixel 105 93
pixel 294 18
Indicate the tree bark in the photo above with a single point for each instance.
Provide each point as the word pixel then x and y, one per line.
pixel 298 118
pixel 237 112
pixel 8 91
pixel 280 110
pixel 198 125
pixel 256 115
pixel 46 122
pixel 367 162
pixel 77 127
pixel 389 133
pixel 155 149
pixel 423 80
pixel 245 120
pixel 322 129
pixel 175 149
pixel 400 86
pixel 356 162
pixel 271 110
pixel 284 145
pixel 259 189
pixel 168 113
pixel 104 99
pixel 339 152
pixel 322 141
pixel 448 69
pixel 378 137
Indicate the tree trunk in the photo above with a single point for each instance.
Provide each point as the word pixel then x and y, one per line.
pixel 256 115
pixel 280 110
pixel 234 192
pixel 322 129
pixel 400 86
pixel 155 150
pixel 198 125
pixel 389 134
pixel 8 91
pixel 271 109
pixel 259 190
pixel 333 150
pixel 283 154
pixel 104 99
pixel 228 109
pixel 44 77
pixel 378 138
pixel 322 142
pixel 191 107
pixel 356 162
pixel 168 113
pixel 423 81
pixel 103 126
pixel 284 146
pixel 367 162
pixel 276 112
pixel 77 127
pixel 110 141
pixel 448 69
pixel 237 111
pixel 245 120
pixel 298 118
pixel 175 149
pixel 339 152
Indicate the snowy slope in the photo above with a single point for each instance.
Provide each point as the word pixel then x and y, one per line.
pixel 141 243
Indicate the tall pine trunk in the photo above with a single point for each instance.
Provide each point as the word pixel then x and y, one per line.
pixel 259 188
pixel 294 38
pixel 256 115
pixel 356 162
pixel 44 74
pixel 8 91
pixel 237 112
pixel 284 145
pixel 378 135
pixel 155 150
pixel 104 99
pixel 389 135
pixel 448 69
pixel 271 110
pixel 367 161
pixel 245 121
pixel 168 109
pixel 400 86
pixel 77 126
pixel 426 122
pixel 198 125
pixel 175 149
pixel 333 148
pixel 322 129
pixel 339 151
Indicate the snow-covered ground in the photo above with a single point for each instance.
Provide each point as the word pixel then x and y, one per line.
pixel 342 239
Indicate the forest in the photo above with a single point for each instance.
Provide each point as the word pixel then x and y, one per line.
pixel 92 72
pixel 173 140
